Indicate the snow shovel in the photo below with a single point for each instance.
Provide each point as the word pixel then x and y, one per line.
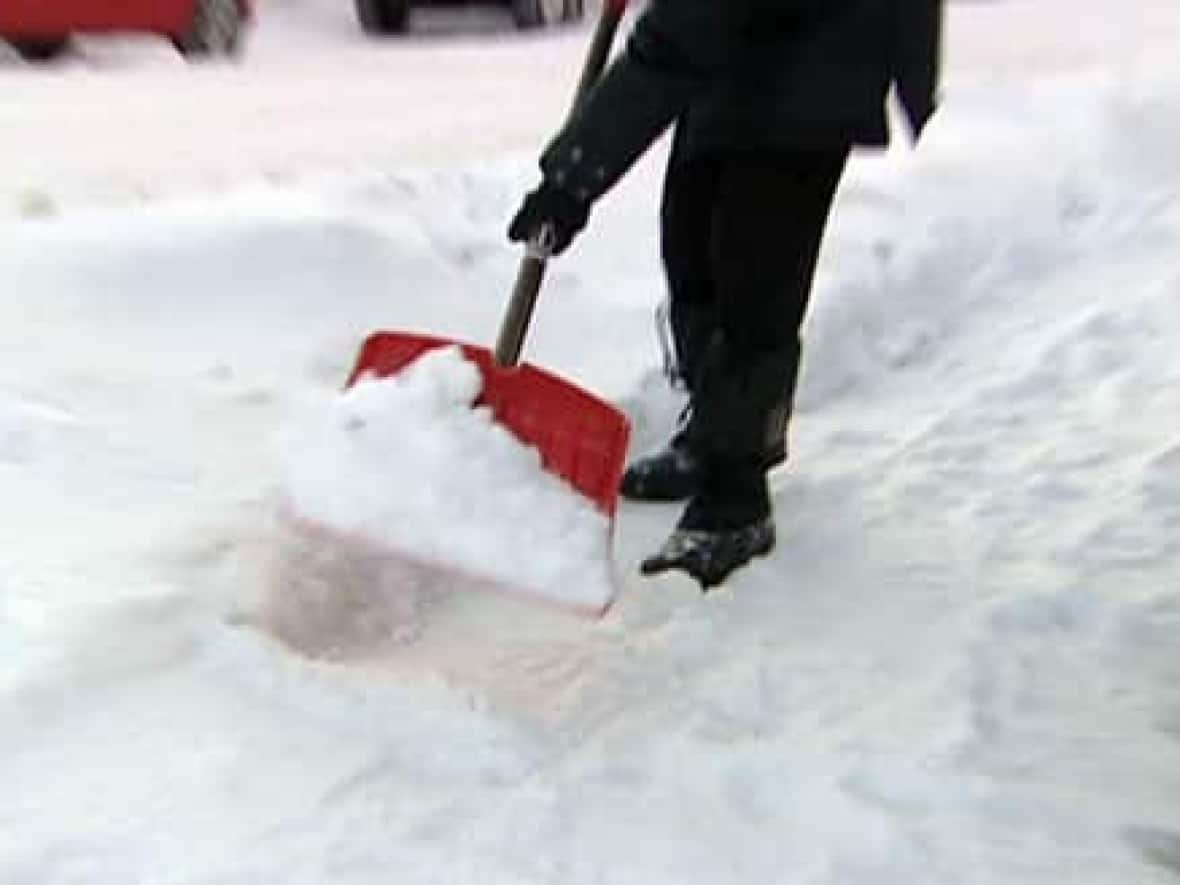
pixel 581 438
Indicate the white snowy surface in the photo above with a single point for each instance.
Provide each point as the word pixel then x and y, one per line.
pixel 960 666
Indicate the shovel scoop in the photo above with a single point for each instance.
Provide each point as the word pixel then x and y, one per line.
pixel 580 438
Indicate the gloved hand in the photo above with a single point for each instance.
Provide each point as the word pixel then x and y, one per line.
pixel 565 214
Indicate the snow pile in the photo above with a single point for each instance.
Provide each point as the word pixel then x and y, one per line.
pixel 407 464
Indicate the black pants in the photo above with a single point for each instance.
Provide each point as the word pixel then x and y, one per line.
pixel 741 233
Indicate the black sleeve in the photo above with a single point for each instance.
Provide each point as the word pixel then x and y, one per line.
pixel 920 52
pixel 676 50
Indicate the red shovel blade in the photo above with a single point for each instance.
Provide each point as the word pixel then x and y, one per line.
pixel 580 437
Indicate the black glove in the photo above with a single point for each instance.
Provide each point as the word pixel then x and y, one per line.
pixel 564 213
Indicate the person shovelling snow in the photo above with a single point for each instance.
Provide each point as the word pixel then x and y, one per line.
pixel 768 98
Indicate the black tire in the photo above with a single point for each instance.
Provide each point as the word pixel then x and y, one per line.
pixel 383 17
pixel 575 10
pixel 216 29
pixel 41 49
pixel 540 13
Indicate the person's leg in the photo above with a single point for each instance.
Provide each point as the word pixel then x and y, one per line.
pixel 769 216
pixel 686 219
pixel 686 231
pixel 769 219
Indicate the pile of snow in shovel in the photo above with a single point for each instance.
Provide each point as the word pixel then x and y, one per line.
pixel 407 465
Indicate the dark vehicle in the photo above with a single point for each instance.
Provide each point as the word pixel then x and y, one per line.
pixel 392 16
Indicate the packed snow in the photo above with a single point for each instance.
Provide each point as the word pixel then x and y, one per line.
pixel 409 466
pixel 959 667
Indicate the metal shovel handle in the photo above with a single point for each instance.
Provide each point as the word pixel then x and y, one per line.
pixel 539 249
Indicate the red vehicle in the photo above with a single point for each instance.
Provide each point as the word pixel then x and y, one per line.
pixel 40 29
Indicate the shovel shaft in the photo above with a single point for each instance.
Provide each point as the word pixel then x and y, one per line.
pixel 531 272
pixel 516 322
pixel 599 51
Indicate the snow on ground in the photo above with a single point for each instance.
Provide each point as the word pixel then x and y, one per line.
pixel 959 667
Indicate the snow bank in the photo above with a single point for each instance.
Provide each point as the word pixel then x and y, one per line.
pixel 406 463
pixel 1013 185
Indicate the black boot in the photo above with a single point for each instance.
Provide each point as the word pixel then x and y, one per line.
pixel 724 526
pixel 674 473
pixel 710 556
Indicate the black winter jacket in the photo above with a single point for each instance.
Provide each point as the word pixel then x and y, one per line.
pixel 746 74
